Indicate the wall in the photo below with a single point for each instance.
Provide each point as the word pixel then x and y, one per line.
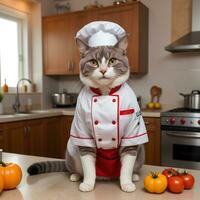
pixel 174 73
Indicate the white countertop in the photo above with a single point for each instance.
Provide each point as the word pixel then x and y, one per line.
pixel 57 186
pixel 67 111
pixel 36 114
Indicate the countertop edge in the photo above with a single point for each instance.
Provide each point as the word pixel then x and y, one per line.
pixel 37 114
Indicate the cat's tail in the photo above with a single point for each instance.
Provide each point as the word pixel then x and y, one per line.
pixel 46 167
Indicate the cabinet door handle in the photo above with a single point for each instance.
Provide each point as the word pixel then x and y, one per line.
pixel 25 131
pixel 146 123
pixel 68 65
pixel 28 129
pixel 73 66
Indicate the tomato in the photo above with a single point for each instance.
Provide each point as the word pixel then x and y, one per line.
pixel 169 172
pixel 1 184
pixel 155 183
pixel 188 180
pixel 175 184
pixel 12 175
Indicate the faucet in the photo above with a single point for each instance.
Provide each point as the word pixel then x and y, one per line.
pixel 16 105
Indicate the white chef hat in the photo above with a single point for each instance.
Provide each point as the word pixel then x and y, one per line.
pixel 101 33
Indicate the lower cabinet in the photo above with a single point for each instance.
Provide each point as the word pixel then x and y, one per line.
pixel 66 122
pixel 1 135
pixel 15 138
pixel 152 148
pixel 35 137
pixel 48 137
pixel 24 137
pixel 41 137
pixel 52 137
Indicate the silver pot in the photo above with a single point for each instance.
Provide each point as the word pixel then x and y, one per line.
pixel 64 99
pixel 192 101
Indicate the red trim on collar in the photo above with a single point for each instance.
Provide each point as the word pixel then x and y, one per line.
pixel 115 89
pixel 112 91
pixel 96 90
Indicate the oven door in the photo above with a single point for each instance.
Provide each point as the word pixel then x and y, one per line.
pixel 180 149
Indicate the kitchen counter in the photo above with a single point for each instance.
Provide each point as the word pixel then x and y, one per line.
pixel 35 114
pixel 56 186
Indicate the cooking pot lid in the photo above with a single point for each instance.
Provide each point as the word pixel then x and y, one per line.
pixel 194 92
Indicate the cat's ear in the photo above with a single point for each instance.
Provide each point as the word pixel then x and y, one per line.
pixel 123 43
pixel 83 47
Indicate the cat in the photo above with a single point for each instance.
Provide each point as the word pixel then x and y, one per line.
pixel 103 70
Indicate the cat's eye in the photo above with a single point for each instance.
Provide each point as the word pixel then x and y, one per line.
pixel 112 61
pixel 93 62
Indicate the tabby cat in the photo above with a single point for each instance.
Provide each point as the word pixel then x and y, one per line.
pixel 102 69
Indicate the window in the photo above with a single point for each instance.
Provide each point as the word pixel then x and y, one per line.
pixel 13 47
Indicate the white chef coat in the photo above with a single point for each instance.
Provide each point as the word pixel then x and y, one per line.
pixel 107 121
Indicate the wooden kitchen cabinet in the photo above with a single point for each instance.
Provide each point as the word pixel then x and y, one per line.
pixel 24 137
pixel 61 56
pixel 15 138
pixel 152 148
pixel 58 43
pixel 66 122
pixel 41 137
pixel 181 19
pixel 53 131
pixel 35 135
pixel 1 135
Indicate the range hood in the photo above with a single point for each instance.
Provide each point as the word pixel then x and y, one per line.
pixel 191 41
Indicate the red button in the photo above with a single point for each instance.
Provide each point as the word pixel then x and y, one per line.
pixel 96 122
pixel 182 121
pixel 113 139
pixel 99 139
pixel 198 122
pixel 172 120
pixel 95 100
pixel 114 100
pixel 113 122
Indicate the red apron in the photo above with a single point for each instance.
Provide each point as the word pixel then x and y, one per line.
pixel 108 163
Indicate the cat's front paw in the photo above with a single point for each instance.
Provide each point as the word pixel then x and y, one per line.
pixel 85 187
pixel 128 187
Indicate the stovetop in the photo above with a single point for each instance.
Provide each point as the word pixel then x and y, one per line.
pixel 181 117
pixel 184 110
pixel 181 112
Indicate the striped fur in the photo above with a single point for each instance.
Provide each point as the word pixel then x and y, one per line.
pixel 46 167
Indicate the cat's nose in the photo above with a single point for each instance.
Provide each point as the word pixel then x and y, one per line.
pixel 103 71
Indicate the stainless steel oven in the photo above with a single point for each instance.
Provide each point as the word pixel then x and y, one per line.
pixel 180 138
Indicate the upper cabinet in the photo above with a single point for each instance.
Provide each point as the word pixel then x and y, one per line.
pixel 57 43
pixel 61 56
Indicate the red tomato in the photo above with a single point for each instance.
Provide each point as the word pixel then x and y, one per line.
pixel 169 172
pixel 175 184
pixel 188 180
